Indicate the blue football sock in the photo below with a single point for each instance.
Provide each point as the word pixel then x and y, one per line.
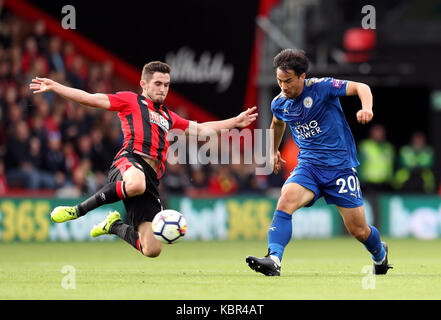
pixel 374 246
pixel 279 233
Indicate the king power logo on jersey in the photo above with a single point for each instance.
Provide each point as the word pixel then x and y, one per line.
pixel 307 130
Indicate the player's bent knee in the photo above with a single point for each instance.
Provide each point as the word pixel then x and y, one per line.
pixel 135 183
pixel 135 188
pixel 359 233
pixel 151 249
pixel 288 203
pixel 293 197
pixel 152 253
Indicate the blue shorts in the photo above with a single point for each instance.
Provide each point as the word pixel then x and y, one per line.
pixel 338 186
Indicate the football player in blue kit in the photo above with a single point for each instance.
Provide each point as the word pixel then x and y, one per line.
pixel 327 157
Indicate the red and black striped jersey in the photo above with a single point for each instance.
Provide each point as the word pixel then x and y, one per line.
pixel 145 125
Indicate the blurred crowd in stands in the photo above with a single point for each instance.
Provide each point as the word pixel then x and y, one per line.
pixel 49 143
pixel 46 142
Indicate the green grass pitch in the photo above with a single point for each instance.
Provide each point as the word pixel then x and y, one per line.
pixel 311 269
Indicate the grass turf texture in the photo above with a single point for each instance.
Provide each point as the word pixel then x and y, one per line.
pixel 311 269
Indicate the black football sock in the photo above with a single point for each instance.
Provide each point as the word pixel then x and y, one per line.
pixel 111 192
pixel 127 233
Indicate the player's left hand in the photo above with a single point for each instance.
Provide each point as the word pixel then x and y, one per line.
pixel 246 118
pixel 277 162
pixel 364 116
pixel 40 85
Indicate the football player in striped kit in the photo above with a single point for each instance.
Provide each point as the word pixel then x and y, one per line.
pixel 139 165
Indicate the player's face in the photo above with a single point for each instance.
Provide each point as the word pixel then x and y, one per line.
pixel 290 83
pixel 156 88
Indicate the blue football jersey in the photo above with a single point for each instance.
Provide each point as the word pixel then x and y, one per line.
pixel 318 124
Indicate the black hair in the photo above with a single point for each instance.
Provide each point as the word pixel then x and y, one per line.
pixel 292 59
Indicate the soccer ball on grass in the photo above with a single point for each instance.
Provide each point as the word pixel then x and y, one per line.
pixel 169 226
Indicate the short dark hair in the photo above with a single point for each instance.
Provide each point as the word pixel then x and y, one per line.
pixel 291 59
pixel 154 66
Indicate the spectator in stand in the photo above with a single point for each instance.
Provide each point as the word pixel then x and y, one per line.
pixel 94 181
pixel 112 140
pixel 55 58
pixel 415 166
pixel 247 180
pixel 36 154
pixel 76 123
pixel 24 98
pixel 377 158
pixel 39 67
pixel 16 31
pixel 77 74
pixel 41 37
pixel 42 109
pixel 71 158
pixel 5 30
pixel 54 160
pixel 15 115
pixel 2 135
pixel 20 157
pixel 47 180
pixel 78 188
pixel 5 76
pixel 11 94
pixel 198 183
pixel 3 181
pixel 69 53
pixel 82 120
pixel 38 130
pixel 17 73
pixel 107 76
pixel 30 55
pixel 84 147
pixel 99 158
pixel 94 78
pixel 17 152
pixel 222 182
pixel 175 181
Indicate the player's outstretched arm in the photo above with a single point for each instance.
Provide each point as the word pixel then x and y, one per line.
pixel 364 93
pixel 244 119
pixel 97 100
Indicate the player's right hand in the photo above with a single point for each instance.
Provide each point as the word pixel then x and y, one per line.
pixel 277 162
pixel 40 85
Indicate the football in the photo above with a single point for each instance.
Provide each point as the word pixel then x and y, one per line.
pixel 169 226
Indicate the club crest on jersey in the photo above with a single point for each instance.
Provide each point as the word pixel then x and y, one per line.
pixel 307 102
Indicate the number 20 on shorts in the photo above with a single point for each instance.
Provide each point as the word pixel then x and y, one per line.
pixel 350 184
